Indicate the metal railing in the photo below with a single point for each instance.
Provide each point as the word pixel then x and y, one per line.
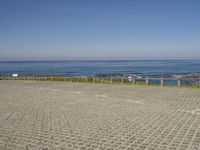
pixel 115 80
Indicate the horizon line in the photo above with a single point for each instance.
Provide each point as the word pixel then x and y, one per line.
pixel 45 60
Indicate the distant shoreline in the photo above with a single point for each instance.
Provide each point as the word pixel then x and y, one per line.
pixel 101 68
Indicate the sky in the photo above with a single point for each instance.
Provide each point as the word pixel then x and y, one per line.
pixel 99 29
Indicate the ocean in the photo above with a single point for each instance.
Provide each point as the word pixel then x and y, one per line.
pixel 142 68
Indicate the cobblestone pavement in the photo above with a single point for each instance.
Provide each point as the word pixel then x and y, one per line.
pixel 59 115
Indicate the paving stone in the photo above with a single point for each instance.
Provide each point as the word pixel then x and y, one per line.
pixel 60 115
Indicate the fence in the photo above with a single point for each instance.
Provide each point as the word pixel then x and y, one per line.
pixel 115 80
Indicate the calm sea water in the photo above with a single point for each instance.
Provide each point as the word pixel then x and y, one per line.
pixel 151 68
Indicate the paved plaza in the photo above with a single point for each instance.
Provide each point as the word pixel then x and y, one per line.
pixel 84 116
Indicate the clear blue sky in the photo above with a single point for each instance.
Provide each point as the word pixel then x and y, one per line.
pixel 99 29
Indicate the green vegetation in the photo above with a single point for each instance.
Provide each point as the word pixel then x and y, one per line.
pixel 102 80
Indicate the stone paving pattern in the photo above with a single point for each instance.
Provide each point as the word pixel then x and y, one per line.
pixel 59 115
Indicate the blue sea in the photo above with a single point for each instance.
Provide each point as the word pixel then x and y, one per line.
pixel 142 68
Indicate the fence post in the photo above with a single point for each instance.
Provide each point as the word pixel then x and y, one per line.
pixel 93 80
pixel 86 79
pixel 147 80
pixel 161 81
pixel 178 82
pixel 102 80
pixel 111 80
pixel 133 80
pixel 122 80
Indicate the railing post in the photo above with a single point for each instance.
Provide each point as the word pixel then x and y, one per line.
pixel 178 82
pixel 161 81
pixel 147 80
pixel 133 80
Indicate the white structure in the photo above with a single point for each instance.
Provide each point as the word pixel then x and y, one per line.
pixel 15 75
pixel 130 78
